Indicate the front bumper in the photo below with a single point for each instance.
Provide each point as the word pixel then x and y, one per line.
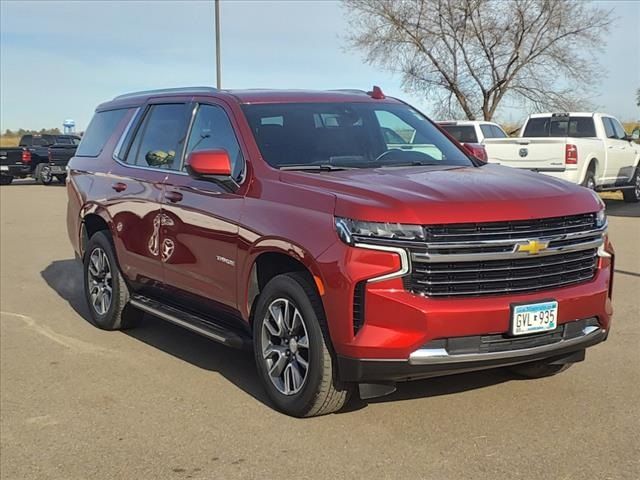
pixel 434 360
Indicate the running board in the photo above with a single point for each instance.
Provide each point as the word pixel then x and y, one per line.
pixel 614 188
pixel 191 322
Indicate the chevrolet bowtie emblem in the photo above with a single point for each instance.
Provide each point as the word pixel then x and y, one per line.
pixel 532 247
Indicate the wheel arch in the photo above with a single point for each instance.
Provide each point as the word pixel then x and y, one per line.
pixel 265 262
pixel 92 221
pixel 593 165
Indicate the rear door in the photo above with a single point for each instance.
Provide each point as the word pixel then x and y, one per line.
pixel 200 233
pixel 153 148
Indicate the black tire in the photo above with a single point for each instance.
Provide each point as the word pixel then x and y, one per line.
pixel 319 392
pixel 5 180
pixel 539 369
pixel 118 315
pixel 632 195
pixel 589 180
pixel 46 178
pixel 37 173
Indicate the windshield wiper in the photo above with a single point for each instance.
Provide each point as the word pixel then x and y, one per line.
pixel 313 168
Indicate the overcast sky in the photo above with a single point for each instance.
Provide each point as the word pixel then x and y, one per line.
pixel 60 59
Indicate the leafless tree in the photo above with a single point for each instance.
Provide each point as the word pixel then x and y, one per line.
pixel 469 56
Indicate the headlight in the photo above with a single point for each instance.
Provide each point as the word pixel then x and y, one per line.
pixel 348 228
pixel 601 219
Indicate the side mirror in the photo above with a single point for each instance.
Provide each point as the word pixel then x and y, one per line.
pixel 212 165
pixel 635 135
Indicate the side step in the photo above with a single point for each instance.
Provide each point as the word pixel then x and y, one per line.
pixel 192 322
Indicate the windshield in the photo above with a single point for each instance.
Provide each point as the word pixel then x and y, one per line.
pixel 348 135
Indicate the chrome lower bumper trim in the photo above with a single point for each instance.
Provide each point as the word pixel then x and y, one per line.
pixel 435 356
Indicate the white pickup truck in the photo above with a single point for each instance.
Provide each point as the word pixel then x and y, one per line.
pixel 591 149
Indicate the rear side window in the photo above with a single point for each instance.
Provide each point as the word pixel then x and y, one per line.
pixel 212 130
pixel 462 133
pixel 487 131
pixel 498 132
pixel 560 126
pixel 160 139
pixel 99 131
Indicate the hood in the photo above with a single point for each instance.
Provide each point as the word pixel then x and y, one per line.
pixel 448 194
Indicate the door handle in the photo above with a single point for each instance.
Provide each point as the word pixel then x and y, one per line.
pixel 173 196
pixel 119 186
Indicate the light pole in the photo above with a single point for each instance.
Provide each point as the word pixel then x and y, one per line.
pixel 218 71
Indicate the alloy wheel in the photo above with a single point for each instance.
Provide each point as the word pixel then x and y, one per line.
pixel 100 281
pixel 285 346
pixel 46 175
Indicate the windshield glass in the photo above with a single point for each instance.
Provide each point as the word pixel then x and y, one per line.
pixel 349 135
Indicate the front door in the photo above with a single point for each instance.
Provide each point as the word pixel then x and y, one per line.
pixel 200 233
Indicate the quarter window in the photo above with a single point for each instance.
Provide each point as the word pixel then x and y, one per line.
pixel 212 130
pixel 99 131
pixel 160 139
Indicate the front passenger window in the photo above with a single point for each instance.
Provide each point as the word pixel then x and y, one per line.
pixel 160 139
pixel 212 130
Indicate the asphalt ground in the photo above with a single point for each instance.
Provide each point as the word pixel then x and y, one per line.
pixel 158 402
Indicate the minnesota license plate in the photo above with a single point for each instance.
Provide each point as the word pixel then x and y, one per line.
pixel 534 317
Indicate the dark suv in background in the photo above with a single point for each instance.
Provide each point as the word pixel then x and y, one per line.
pixel 341 235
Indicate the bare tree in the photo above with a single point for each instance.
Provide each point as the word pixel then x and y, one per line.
pixel 469 56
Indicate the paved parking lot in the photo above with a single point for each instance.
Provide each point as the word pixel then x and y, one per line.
pixel 159 402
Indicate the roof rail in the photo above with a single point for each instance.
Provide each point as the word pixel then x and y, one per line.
pixel 167 90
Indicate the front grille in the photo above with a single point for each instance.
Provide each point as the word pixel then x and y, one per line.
pixel 500 276
pixel 489 259
pixel 538 228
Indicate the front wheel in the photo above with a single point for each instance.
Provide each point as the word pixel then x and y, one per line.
pixel 632 195
pixel 291 345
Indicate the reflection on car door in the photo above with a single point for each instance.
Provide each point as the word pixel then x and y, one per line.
pixel 199 239
pixel 137 188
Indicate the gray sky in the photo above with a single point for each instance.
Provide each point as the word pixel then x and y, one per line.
pixel 60 59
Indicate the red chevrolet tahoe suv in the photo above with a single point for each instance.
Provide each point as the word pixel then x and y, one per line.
pixel 341 235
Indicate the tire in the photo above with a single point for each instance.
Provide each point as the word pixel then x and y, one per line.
pixel 632 195
pixel 61 178
pixel 114 313
pixel 5 180
pixel 37 173
pixel 589 180
pixel 539 369
pixel 296 391
pixel 45 175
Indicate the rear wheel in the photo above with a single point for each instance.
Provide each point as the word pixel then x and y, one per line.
pixel 105 290
pixel 589 180
pixel 291 345
pixel 37 173
pixel 539 369
pixel 45 175
pixel 632 195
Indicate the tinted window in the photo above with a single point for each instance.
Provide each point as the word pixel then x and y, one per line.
pixel 160 139
pixel 26 140
pixel 498 132
pixel 212 130
pixel 608 128
pixel 462 133
pixel 487 131
pixel 560 126
pixel 354 135
pixel 620 133
pixel 63 140
pixel 98 132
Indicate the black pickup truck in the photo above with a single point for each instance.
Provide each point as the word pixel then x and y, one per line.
pixel 32 157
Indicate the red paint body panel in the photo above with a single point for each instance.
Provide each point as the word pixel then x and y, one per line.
pixel 193 236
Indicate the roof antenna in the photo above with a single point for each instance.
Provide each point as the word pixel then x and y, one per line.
pixel 376 93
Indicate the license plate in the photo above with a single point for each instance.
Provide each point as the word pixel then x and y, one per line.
pixel 534 317
pixel 4 168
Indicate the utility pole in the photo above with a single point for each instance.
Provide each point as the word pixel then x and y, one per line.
pixel 218 71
